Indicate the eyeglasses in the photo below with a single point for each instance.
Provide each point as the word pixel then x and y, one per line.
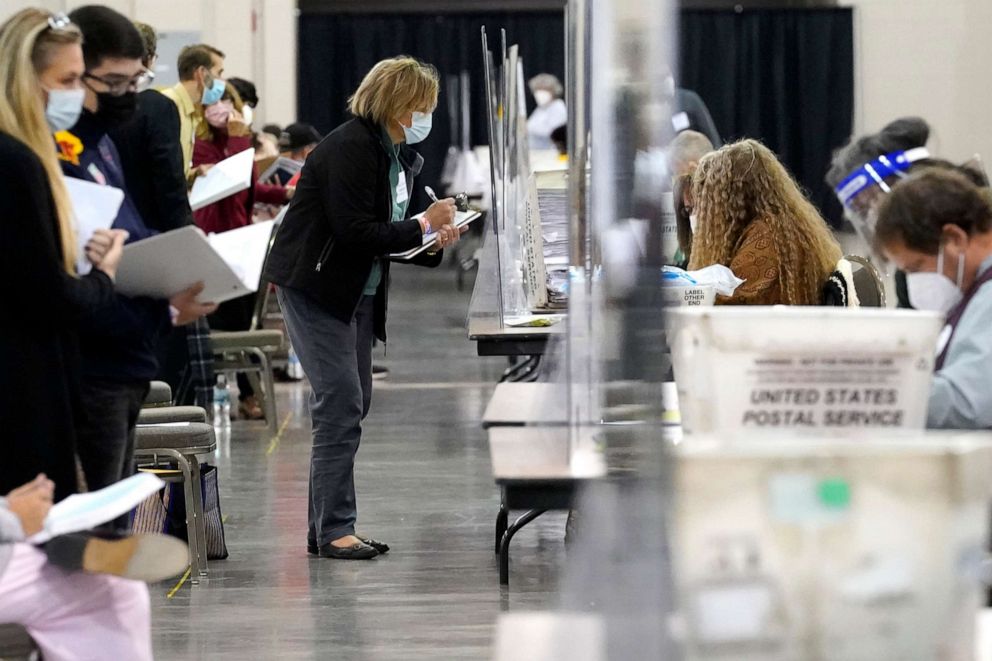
pixel 116 86
pixel 58 21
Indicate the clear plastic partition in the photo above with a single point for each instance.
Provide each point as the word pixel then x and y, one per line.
pixel 620 54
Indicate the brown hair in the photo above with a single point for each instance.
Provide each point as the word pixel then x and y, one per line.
pixel 743 183
pixel 919 207
pixel 193 57
pixel 393 87
pixel 28 43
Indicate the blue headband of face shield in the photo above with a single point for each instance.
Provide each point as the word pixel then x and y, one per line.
pixel 876 172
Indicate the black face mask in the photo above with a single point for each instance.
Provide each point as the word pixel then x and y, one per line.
pixel 116 110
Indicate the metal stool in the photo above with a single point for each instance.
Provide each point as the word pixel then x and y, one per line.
pixel 178 447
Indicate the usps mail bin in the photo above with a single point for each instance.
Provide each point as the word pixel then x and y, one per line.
pixel 802 368
pixel 795 549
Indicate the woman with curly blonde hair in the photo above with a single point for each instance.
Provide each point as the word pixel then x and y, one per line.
pixel 753 218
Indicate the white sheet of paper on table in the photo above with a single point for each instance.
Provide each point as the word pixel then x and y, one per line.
pixel 87 510
pixel 230 176
pixel 94 207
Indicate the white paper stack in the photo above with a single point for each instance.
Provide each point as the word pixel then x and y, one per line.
pixel 94 207
pixel 230 176
pixel 229 264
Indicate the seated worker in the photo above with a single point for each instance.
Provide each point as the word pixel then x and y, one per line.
pixel 684 153
pixel 936 226
pixel 71 598
pixel 118 346
pixel 866 169
pixel 754 219
pixel 296 143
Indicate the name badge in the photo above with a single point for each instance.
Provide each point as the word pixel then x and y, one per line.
pixel 680 122
pixel 401 192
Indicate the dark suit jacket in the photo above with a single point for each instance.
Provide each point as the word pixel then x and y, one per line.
pixel 153 163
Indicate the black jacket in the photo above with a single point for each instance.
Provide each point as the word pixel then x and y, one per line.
pixel 43 306
pixel 339 222
pixel 152 160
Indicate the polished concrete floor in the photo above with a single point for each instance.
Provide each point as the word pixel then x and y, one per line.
pixel 424 486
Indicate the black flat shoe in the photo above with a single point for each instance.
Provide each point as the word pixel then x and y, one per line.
pixel 381 547
pixel 355 552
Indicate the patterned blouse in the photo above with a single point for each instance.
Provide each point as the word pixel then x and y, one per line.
pixel 756 262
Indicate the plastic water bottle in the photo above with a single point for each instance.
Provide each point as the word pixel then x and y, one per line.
pixel 293 367
pixel 222 402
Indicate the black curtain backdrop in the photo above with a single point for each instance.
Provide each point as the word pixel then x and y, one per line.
pixel 337 50
pixel 785 77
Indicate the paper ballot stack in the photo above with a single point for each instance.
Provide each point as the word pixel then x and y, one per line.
pixel 88 510
pixel 230 176
pixel 229 264
pixel 94 207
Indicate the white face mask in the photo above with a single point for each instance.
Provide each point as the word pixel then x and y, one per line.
pixel 64 108
pixel 693 222
pixel 420 128
pixel 543 97
pixel 248 113
pixel 935 291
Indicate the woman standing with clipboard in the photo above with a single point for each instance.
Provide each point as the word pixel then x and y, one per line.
pixel 329 262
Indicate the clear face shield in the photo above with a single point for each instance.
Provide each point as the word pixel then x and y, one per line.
pixel 862 190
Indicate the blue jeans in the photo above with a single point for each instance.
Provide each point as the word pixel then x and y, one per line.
pixel 337 359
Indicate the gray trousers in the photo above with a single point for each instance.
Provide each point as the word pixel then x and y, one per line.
pixel 337 359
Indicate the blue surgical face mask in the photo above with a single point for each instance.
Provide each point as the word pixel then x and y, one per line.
pixel 421 128
pixel 64 108
pixel 213 94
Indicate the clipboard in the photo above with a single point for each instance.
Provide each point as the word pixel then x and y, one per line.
pixel 229 264
pixel 462 218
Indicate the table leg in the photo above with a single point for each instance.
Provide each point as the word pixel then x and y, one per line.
pixel 501 521
pixel 504 548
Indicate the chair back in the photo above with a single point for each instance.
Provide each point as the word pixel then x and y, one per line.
pixel 867 282
pixel 262 295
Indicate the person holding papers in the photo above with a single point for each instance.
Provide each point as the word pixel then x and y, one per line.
pixel 41 67
pixel 201 83
pixel 119 346
pixel 329 260
pixel 69 614
pixel 225 135
pixel 229 134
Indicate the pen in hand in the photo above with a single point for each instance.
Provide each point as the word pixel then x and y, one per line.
pixel 430 193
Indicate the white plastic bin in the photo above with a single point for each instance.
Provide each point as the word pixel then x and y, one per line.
pixel 802 368
pixel 832 550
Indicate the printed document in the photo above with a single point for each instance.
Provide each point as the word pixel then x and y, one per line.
pixel 230 176
pixel 94 207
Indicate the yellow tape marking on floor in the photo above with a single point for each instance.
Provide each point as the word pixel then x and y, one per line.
pixel 278 437
pixel 178 585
